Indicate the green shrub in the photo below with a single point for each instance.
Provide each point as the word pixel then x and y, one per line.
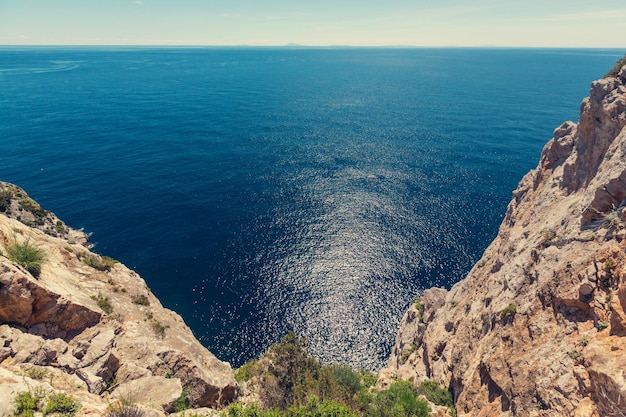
pixel 101 263
pixel 5 200
pixel 59 226
pixel 508 311
pixel 615 70
pixel 125 410
pixel 436 394
pixel 30 257
pixel 62 404
pixel 26 404
pixel 420 309
pixel 159 328
pixel 316 408
pixel 238 410
pixel 37 372
pixel 30 205
pixel 247 370
pixel 399 400
pixel 103 303
pixel 140 300
pixel 183 402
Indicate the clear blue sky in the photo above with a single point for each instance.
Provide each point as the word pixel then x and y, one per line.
pixel 537 23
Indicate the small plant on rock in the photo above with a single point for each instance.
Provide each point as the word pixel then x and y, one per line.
pixel 508 311
pixel 26 404
pixel 125 410
pixel 61 403
pixel 420 309
pixel 159 328
pixel 141 300
pixel 101 263
pixel 601 325
pixel 104 303
pixel 29 256
pixel 37 373
pixel 183 402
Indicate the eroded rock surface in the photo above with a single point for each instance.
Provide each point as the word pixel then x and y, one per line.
pixel 91 326
pixel 537 327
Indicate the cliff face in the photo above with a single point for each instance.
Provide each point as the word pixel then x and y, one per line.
pixel 90 327
pixel 537 327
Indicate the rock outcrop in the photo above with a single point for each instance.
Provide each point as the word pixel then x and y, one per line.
pixel 88 326
pixel 538 326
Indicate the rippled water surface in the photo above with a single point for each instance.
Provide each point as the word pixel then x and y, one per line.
pixel 263 190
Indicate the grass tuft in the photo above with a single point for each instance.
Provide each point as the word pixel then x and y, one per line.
pixel 29 256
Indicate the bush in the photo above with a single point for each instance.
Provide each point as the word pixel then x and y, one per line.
pixel 30 205
pixel 140 300
pixel 183 403
pixel 436 394
pixel 399 400
pixel 30 257
pixel 508 311
pixel 101 263
pixel 5 200
pixel 316 408
pixel 26 404
pixel 62 404
pixel 125 411
pixel 616 69
pixel 159 328
pixel 287 377
pixel 103 303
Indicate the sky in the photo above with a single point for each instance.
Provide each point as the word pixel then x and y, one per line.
pixel 518 23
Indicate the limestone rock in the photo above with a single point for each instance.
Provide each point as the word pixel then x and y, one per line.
pixel 151 391
pixel 537 327
pixel 83 327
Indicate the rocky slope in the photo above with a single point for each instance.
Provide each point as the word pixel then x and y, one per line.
pixel 90 327
pixel 538 326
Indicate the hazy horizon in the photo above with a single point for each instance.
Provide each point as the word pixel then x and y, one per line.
pixel 397 23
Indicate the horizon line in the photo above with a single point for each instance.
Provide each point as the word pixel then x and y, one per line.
pixel 303 46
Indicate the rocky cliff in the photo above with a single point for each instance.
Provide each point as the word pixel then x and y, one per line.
pixel 538 326
pixel 88 326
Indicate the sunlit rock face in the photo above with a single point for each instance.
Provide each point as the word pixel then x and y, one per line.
pixel 90 327
pixel 538 325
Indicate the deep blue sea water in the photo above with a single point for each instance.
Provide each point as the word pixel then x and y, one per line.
pixel 266 189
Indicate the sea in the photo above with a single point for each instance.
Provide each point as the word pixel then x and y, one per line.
pixel 264 190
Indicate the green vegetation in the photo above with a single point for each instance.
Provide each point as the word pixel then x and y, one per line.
pixel 399 400
pixel 140 300
pixel 548 237
pixel 183 403
pixel 601 325
pixel 159 328
pixel 27 255
pixel 37 372
pixel 420 309
pixel 124 410
pixel 573 354
pixel 61 404
pixel 30 205
pixel 615 70
pixel 26 404
pixel 59 226
pixel 101 263
pixel 293 384
pixel 508 311
pixel 436 394
pixel 103 303
pixel 5 200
